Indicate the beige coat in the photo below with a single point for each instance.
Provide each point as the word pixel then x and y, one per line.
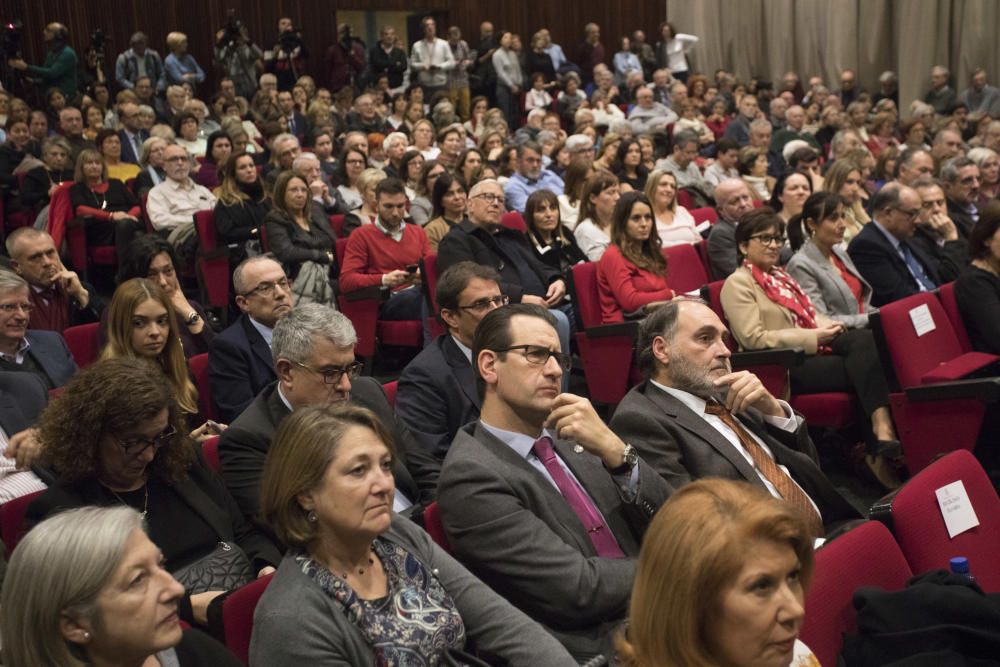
pixel 758 323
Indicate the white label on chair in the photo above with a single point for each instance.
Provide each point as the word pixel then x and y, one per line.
pixel 923 321
pixel 956 508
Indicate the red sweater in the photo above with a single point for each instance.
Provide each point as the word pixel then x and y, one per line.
pixel 625 288
pixel 370 254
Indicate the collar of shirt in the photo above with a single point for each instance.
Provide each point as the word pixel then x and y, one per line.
pixel 885 232
pixel 18 357
pixel 187 184
pixel 467 351
pixel 519 442
pixel 281 395
pixel 265 332
pixel 396 236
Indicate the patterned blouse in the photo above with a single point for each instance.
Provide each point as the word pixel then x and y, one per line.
pixel 414 625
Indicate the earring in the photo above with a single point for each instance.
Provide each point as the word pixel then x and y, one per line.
pixel 86 635
pixel 311 516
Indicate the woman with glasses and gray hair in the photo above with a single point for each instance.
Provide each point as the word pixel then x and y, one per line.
pixel 116 436
pixel 88 587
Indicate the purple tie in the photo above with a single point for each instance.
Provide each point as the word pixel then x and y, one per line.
pixel 600 534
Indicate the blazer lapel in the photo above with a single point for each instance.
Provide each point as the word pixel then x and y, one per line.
pixel 257 343
pixel 461 369
pixel 697 425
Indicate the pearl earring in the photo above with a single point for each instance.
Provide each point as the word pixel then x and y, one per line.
pixel 311 516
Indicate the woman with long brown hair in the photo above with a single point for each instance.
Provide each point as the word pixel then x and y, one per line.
pixel 597 205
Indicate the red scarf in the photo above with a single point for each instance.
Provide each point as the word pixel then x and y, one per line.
pixel 782 289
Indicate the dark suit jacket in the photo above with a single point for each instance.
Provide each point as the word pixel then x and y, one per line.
pixel 239 367
pixel 437 395
pixel 301 127
pixel 884 269
pixel 468 241
pixel 509 525
pixel 128 153
pixel 949 259
pixel 50 352
pixel 22 398
pixel 243 447
pixel 682 447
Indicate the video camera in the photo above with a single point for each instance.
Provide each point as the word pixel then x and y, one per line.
pixel 10 39
pixel 290 40
pixel 233 30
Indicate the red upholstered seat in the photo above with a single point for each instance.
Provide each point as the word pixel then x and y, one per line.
pixel 212 264
pixel 82 343
pixel 337 225
pixel 237 616
pixel 210 450
pixel 390 391
pixel 12 520
pixel 434 527
pixel 946 293
pixel 685 271
pixel 199 369
pixel 920 529
pixel 429 273
pixel 865 556
pixel 81 253
pixel 705 214
pixel 514 220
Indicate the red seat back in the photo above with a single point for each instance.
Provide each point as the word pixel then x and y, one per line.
pixel 950 304
pixel 199 369
pixel 706 214
pixel 390 391
pixel 82 343
pixel 210 450
pixel 12 520
pixel 429 272
pixel 685 272
pixel 865 556
pixel 515 221
pixel 204 223
pixel 434 527
pixel 913 356
pixel 337 224
pixel 237 616
pixel 212 262
pixel 588 299
pixel 920 528
pixel 685 199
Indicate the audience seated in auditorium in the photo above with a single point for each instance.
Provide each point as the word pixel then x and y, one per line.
pixel 110 209
pixel 510 490
pixel 313 352
pixel 437 390
pixel 172 204
pixel 554 244
pixel 240 208
pixel 597 205
pixel 450 197
pixel 937 233
pixel 674 223
pixel 530 177
pixel 107 597
pixel 327 491
pixel 732 201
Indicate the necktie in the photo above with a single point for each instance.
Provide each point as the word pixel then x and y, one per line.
pixel 916 268
pixel 600 534
pixel 785 485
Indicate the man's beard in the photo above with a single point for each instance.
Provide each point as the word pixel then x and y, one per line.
pixel 694 379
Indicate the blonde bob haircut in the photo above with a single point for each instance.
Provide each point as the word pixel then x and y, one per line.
pixel 129 295
pixel 303 447
pixel 58 570
pixel 694 549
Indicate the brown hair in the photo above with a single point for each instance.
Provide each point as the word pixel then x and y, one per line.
pixel 596 184
pixel 700 537
pixel 86 155
pixel 303 447
pixel 646 255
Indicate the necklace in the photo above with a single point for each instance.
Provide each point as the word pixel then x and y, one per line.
pixel 102 203
pixel 145 501
pixel 361 570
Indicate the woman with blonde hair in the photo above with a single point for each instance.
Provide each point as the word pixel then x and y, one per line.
pixel 141 323
pixel 240 207
pixel 365 215
pixel 845 178
pixel 674 223
pixel 721 580
pixel 180 66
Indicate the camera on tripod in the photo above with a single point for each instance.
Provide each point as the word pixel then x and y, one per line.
pixel 233 30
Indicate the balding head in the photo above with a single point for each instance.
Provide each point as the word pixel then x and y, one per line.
pixel 733 199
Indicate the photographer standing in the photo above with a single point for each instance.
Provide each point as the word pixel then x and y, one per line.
pixel 240 59
pixel 59 69
pixel 287 59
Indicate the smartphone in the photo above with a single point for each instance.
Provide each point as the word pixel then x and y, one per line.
pixel 411 268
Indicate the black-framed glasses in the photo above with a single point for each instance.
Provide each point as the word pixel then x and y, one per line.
pixel 908 213
pixel 333 375
pixel 490 198
pixel 770 239
pixel 267 288
pixel 484 304
pixel 539 355
pixel 137 445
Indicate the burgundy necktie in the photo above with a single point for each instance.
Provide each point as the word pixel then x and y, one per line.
pixel 600 534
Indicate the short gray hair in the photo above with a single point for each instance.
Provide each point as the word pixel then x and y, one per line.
pixel 981 154
pixel 950 169
pixel 10 281
pixel 300 161
pixel 284 137
pixel 75 553
pixel 56 142
pixel 295 334
pixel 482 185
pixel 394 137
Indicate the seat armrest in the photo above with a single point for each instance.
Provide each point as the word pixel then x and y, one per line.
pixel 986 390
pixel 782 356
pixel 630 329
pixel 365 293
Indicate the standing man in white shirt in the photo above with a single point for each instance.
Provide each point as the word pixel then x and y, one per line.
pixel 431 59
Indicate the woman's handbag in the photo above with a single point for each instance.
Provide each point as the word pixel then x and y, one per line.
pixel 225 569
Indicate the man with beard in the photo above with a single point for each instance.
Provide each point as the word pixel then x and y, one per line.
pixel 694 417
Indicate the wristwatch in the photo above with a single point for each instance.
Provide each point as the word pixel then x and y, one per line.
pixel 629 459
pixel 192 318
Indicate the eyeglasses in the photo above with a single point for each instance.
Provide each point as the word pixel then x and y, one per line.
pixel 11 308
pixel 768 239
pixel 354 161
pixel 538 355
pixel 490 198
pixel 908 213
pixel 484 304
pixel 136 446
pixel 333 375
pixel 268 288
pixel 176 158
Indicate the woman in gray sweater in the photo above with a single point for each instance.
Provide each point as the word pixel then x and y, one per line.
pixel 359 585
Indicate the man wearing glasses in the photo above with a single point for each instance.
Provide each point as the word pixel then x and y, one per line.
pixel 239 358
pixel 172 204
pixel 437 390
pixel 132 133
pixel 538 497
pixel 883 253
pixel 313 353
pixel 42 353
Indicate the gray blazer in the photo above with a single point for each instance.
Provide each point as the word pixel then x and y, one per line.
pixel 515 531
pixel 296 624
pixel 824 285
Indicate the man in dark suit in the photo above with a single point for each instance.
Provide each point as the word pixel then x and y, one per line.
pixel 43 353
pixel 239 359
pixel 670 417
pixel 937 234
pixel 538 497
pixel 22 398
pixel 132 133
pixel 882 251
pixel 314 362
pixel 437 390
pixel 297 123
pixel 961 180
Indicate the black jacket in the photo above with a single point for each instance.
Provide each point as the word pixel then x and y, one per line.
pixel 469 242
pixel 239 367
pixel 393 64
pixel 883 268
pixel 293 245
